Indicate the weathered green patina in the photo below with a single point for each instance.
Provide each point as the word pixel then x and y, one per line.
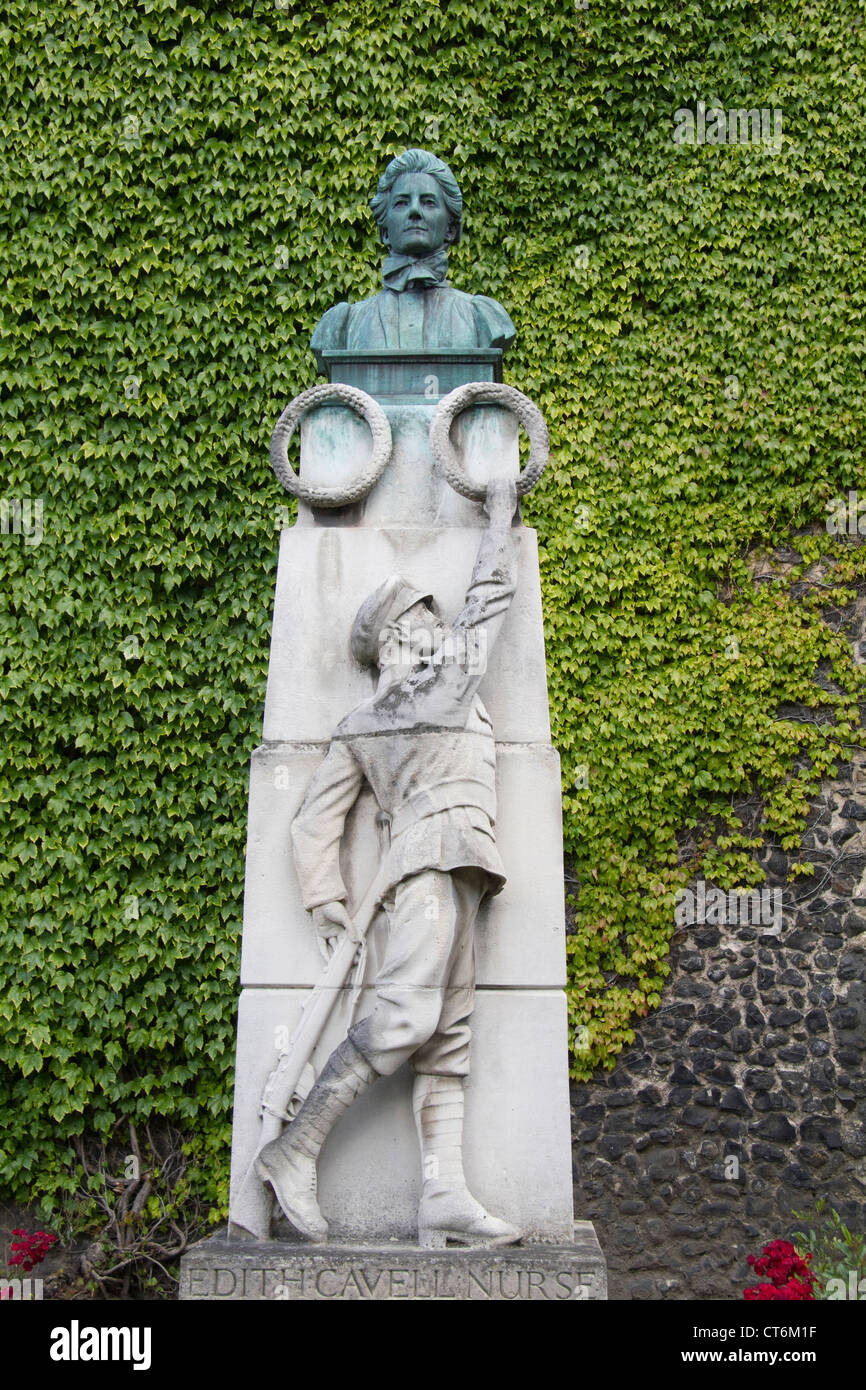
pixel 418 208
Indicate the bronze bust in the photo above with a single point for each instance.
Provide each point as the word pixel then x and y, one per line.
pixel 418 208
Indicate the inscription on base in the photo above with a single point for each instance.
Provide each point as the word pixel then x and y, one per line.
pixel 552 1274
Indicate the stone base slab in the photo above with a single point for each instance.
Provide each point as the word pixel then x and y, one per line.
pixel 219 1270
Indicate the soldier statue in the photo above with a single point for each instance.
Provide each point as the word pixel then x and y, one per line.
pixel 424 744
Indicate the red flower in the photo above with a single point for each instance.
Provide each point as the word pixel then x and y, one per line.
pixel 789 1274
pixel 30 1250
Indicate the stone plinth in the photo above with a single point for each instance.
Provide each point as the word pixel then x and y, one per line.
pixel 221 1271
pixel 516 1143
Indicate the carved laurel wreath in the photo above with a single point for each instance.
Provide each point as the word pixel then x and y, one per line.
pixel 333 394
pixel 487 393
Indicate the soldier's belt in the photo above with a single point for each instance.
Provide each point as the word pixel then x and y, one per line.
pixel 445 796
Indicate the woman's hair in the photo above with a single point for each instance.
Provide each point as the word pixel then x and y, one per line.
pixel 419 162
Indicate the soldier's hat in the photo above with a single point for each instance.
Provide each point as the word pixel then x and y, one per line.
pixel 383 606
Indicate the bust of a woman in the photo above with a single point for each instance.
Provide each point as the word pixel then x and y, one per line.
pixel 418 209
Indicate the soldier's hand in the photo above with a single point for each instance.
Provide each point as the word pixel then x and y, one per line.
pixel 330 921
pixel 500 503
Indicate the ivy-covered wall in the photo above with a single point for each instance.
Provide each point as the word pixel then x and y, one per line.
pixel 184 193
pixel 742 1100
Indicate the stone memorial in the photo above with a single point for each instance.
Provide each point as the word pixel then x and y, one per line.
pixel 401 1121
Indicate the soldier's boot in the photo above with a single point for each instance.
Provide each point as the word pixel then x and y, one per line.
pixel 448 1211
pixel 289 1162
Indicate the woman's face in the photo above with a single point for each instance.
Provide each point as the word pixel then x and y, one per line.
pixel 418 221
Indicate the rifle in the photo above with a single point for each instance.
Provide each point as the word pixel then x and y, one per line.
pixel 293 1077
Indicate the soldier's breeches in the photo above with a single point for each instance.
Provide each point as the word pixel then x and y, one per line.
pixel 426 988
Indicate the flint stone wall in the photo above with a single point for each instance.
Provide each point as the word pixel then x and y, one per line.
pixel 756 1053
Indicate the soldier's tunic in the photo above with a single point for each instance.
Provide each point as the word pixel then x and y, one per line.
pixel 426 748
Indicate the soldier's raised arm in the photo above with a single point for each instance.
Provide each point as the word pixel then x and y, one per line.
pixel 494 577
